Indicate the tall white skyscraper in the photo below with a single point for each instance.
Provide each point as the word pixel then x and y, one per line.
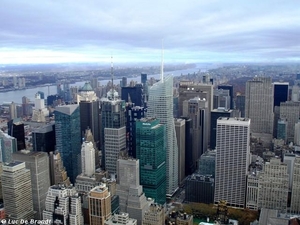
pixel 295 203
pixel 87 158
pixel 160 106
pixel 232 160
pixel 259 104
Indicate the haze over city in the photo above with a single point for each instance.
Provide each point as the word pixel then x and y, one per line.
pixel 131 31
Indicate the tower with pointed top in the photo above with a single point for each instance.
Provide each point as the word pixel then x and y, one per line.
pixel 160 106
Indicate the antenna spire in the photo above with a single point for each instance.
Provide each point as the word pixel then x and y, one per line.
pixel 112 79
pixel 162 61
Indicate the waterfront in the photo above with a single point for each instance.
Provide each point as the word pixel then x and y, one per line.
pixel 16 95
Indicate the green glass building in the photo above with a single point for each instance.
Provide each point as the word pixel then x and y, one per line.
pixel 151 151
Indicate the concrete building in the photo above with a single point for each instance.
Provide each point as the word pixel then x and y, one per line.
pixel 274 186
pixel 38 164
pixel 232 160
pixel 295 200
pixel 17 191
pixel 68 138
pixel 160 106
pixel 40 112
pixel 291 112
pixel 8 145
pixel 229 88
pixel 121 219
pixel 99 205
pixel 155 215
pixel 297 134
pixel 132 198
pixel 180 136
pixel 88 158
pixel 252 195
pixel 179 218
pixel 259 104
pixel 63 206
pixel 58 173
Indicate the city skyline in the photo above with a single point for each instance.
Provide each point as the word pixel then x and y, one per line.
pixel 206 31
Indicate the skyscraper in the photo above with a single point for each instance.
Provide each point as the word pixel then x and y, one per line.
pixel 99 205
pixel 38 164
pixel 89 112
pixel 151 151
pixel 8 145
pixel 295 204
pixel 160 106
pixel 181 143
pixel 68 138
pixel 16 189
pixel 240 104
pixel 259 104
pixel 43 138
pixel 232 160
pixel 281 92
pixel 58 173
pixel 87 158
pixel 133 94
pixel 16 130
pixel 155 215
pixel 228 87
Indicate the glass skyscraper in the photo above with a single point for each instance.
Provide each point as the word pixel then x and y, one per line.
pixel 151 151
pixel 160 106
pixel 68 138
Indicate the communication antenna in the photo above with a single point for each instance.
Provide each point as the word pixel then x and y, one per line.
pixel 112 79
pixel 162 62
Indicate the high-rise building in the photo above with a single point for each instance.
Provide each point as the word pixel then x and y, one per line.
pixel 282 126
pixel 99 205
pixel 143 78
pixel 38 164
pixel 132 198
pixel 232 160
pixel 40 112
pixel 89 112
pixel 123 82
pixel 198 112
pixel 180 136
pixel 16 130
pixel 228 87
pixel 58 173
pixel 43 138
pixel 155 215
pixel 68 138
pixel 295 200
pixel 16 189
pixel 221 99
pixel 291 112
pixel 259 104
pixel 189 166
pixel 297 134
pixel 281 92
pixel 207 163
pixel 215 114
pixel 12 111
pixel 240 104
pixel 133 94
pixel 8 145
pixel 160 106
pixel 151 151
pixel 121 219
pixel 88 158
pixel 63 206
pixel 274 186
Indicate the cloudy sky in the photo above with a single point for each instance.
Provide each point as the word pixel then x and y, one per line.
pixel 51 31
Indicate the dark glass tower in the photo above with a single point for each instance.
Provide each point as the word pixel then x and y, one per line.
pixel 133 94
pixel 16 130
pixel 68 138
pixel 230 88
pixel 240 104
pixel 151 151
pixel 281 92
pixel 43 138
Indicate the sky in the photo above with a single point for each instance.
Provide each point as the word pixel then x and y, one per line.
pixel 193 31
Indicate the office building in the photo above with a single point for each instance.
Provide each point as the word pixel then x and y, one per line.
pixel 133 113
pixel 295 200
pixel 215 114
pixel 259 104
pixel 38 164
pixel 68 138
pixel 240 104
pixel 179 218
pixel 189 166
pixel 13 111
pixel 198 112
pixel 252 195
pixel 155 215
pixel 160 106
pixel 221 99
pixel 88 158
pixel 132 198
pixel 281 92
pixel 151 152
pixel 43 138
pixel 228 87
pixel 121 219
pixel 94 83
pixel 99 205
pixel 180 136
pixel 123 82
pixel 8 145
pixel 274 186
pixel 207 163
pixel 282 126
pixel 289 160
pixel 16 130
pixel 63 206
pixel 40 112
pixel 199 188
pixel 297 134
pixel 89 112
pixel 17 192
pixel 58 173
pixel 232 160
pixel 291 112
pixel 143 78
pixel 133 94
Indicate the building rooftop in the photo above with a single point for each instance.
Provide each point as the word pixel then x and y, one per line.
pixel 86 87
pixel 12 164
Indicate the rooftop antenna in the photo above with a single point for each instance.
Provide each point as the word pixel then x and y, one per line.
pixel 112 79
pixel 162 62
